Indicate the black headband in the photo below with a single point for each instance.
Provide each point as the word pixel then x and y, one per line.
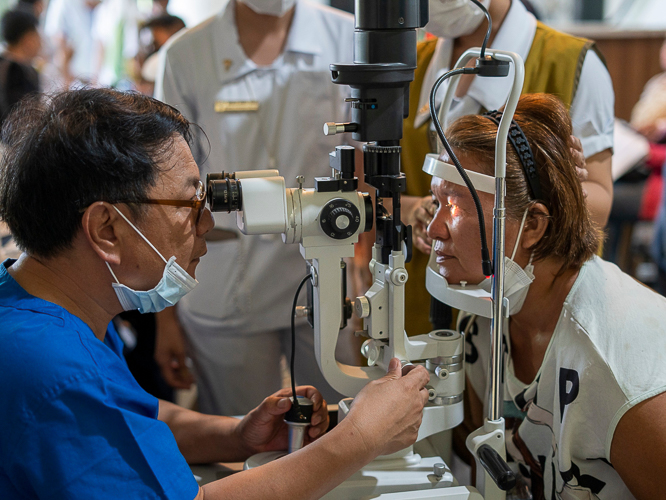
pixel 523 150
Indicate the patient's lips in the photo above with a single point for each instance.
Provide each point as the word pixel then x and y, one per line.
pixel 443 254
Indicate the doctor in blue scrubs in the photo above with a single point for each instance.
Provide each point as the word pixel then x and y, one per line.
pixel 102 195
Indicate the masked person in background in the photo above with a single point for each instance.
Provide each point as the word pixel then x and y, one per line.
pixel 256 78
pixel 101 192
pixel 559 64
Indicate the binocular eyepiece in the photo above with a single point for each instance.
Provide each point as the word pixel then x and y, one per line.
pixel 224 192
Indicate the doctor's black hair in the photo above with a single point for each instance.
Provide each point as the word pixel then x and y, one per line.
pixel 66 151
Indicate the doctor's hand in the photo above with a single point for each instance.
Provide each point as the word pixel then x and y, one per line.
pixel 263 429
pixel 418 212
pixel 170 352
pixel 387 413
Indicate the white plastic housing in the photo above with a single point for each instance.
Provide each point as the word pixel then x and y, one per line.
pixel 264 206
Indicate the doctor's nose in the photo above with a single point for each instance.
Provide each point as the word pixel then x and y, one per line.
pixel 205 222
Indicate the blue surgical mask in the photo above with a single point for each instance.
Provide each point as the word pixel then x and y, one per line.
pixel 174 285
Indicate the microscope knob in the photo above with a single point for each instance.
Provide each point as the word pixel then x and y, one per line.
pixel 362 307
pixel 340 219
pixel 371 351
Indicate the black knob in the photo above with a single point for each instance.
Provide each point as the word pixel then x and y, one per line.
pixel 340 219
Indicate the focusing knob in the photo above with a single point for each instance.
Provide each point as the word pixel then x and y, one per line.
pixel 373 148
pixel 340 219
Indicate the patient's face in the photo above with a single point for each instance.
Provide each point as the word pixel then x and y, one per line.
pixel 455 227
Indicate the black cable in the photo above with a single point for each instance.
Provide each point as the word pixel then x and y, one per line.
pixel 488 31
pixel 485 254
pixel 293 342
pixel 486 263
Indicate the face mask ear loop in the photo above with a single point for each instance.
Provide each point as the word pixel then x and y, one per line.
pixel 140 234
pixel 520 233
pixel 112 273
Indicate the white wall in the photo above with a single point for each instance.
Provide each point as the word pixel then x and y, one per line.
pixel 645 14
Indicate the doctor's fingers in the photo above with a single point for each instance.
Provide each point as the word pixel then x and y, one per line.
pixel 416 376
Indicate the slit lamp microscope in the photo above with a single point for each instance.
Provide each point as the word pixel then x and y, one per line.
pixel 326 222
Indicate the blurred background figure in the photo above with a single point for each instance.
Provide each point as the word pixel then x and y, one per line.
pixel 69 26
pixel 35 7
pixel 115 32
pixel 649 115
pixel 160 29
pixel 649 118
pixel 159 7
pixel 18 77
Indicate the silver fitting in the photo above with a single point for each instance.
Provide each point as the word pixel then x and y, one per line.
pixel 439 469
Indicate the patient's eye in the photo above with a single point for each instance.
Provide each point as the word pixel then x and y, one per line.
pixel 435 201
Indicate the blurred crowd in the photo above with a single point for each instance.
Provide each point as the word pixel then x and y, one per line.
pixel 56 44
pixel 50 45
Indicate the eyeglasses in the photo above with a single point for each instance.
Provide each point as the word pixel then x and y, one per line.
pixel 198 205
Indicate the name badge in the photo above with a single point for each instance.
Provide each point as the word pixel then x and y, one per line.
pixel 236 106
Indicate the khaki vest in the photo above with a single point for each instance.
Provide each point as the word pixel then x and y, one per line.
pixel 553 66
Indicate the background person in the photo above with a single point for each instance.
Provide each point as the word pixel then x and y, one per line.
pixel 78 186
pixel 271 59
pixel 588 339
pixel 68 25
pixel 18 77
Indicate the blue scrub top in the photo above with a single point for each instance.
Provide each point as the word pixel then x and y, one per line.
pixel 74 422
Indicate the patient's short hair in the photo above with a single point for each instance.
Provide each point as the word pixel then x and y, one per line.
pixel 570 236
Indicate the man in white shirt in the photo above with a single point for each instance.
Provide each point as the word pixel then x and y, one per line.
pixel 274 57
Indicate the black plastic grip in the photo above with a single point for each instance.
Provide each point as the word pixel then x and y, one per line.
pixel 496 467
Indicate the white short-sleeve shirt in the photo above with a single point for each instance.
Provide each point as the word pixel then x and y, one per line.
pixel 606 355
pixel 247 284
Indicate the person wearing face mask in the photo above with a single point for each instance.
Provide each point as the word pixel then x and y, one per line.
pixel 104 198
pixel 555 63
pixel 583 375
pixel 256 77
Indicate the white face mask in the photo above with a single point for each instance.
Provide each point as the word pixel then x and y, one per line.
pixel 476 298
pixel 277 8
pixel 454 18
pixel 174 285
pixel 517 280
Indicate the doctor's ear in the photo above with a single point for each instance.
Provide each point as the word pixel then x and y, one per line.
pixel 99 223
pixel 536 224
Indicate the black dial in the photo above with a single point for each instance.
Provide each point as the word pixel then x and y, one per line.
pixel 340 219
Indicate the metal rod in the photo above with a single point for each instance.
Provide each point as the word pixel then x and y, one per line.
pixel 495 409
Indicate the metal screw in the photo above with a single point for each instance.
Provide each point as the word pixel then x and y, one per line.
pixel 439 469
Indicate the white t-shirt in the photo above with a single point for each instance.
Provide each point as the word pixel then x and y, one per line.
pixel 605 356
pixel 247 284
pixel 592 109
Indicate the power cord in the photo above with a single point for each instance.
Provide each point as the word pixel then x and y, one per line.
pixel 293 349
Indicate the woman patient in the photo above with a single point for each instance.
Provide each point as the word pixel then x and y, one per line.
pixel 585 353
